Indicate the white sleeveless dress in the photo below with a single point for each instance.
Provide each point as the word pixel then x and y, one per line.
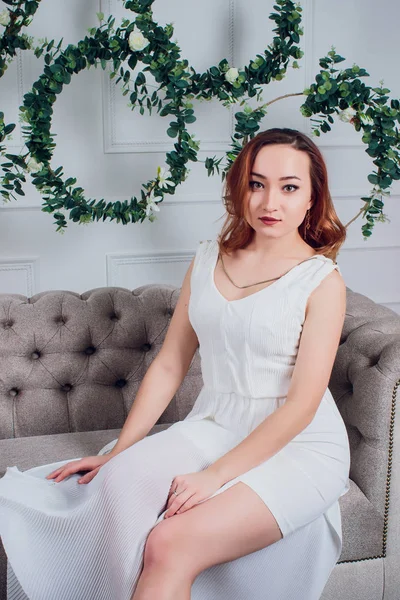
pixel 71 541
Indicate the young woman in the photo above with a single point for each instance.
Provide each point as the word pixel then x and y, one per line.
pixel 239 501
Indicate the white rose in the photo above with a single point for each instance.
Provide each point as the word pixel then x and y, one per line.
pixel 5 17
pixel 347 114
pixel 33 165
pixel 366 120
pixel 231 75
pixel 137 41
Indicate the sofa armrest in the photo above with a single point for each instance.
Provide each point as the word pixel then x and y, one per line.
pixel 365 383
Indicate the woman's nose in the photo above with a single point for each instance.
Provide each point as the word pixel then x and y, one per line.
pixel 270 199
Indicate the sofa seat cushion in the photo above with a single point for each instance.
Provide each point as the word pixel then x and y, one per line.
pixel 28 452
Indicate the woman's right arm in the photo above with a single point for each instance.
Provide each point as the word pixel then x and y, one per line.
pixel 164 375
pixel 158 387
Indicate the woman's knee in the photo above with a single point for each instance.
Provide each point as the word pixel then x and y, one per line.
pixel 162 545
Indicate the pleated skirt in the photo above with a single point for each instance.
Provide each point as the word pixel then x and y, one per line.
pixel 70 541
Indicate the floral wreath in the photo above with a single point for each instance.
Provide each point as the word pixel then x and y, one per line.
pixel 143 41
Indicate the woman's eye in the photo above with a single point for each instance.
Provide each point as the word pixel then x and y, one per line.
pixel 255 185
pixel 295 187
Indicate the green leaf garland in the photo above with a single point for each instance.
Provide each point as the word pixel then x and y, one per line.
pixel 144 42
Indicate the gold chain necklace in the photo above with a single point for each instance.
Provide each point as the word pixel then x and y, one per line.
pixel 266 280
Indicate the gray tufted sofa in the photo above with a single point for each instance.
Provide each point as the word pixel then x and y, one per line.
pixel 71 364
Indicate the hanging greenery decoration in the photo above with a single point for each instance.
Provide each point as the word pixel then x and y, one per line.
pixel 143 43
pixel 11 41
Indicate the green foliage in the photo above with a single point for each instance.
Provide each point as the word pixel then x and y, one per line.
pixel 368 109
pixel 143 42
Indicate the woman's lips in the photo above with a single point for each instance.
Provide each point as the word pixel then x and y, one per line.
pixel 269 221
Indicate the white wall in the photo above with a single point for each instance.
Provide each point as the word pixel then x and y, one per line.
pixel 112 151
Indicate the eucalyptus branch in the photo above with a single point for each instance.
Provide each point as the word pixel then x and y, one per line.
pixel 282 97
pixel 360 212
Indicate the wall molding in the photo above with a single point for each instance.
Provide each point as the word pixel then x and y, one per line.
pixel 29 266
pixel 15 147
pixel 114 262
pixel 390 304
pixel 309 28
pixel 308 23
pixel 109 90
pixel 389 247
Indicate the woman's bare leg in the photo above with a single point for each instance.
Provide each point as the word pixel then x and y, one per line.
pixel 162 584
pixel 215 531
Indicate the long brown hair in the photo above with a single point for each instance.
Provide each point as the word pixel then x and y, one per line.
pixel 325 233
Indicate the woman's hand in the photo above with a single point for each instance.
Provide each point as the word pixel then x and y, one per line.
pixel 89 463
pixel 191 488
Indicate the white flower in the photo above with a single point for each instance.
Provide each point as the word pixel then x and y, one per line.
pixel 33 165
pixel 5 17
pixel 163 176
pixel 347 114
pixel 366 120
pixel 137 41
pixel 231 75
pixel 151 205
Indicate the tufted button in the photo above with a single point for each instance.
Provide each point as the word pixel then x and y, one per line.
pixel 146 347
pixel 67 387
pixel 8 324
pixel 36 355
pixel 121 383
pixel 90 350
pixel 14 392
pixel 114 317
pixel 60 320
pixel 170 311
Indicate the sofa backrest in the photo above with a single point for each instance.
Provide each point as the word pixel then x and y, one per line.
pixel 74 362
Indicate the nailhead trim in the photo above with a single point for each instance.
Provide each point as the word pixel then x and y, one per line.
pixel 388 479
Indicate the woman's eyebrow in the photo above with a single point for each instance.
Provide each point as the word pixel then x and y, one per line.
pixel 280 179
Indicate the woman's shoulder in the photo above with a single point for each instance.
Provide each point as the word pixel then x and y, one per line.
pixel 313 272
pixel 206 247
pixel 326 262
pixel 324 257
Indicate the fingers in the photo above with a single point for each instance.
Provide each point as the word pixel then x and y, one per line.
pixel 179 503
pixel 89 476
pixel 57 472
pixel 65 471
pixel 54 473
pixel 90 464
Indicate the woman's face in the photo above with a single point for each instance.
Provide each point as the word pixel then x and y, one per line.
pixel 279 187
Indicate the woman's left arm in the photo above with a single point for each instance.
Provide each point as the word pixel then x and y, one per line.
pixel 318 346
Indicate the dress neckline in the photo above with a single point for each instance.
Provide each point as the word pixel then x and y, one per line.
pixel 215 263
